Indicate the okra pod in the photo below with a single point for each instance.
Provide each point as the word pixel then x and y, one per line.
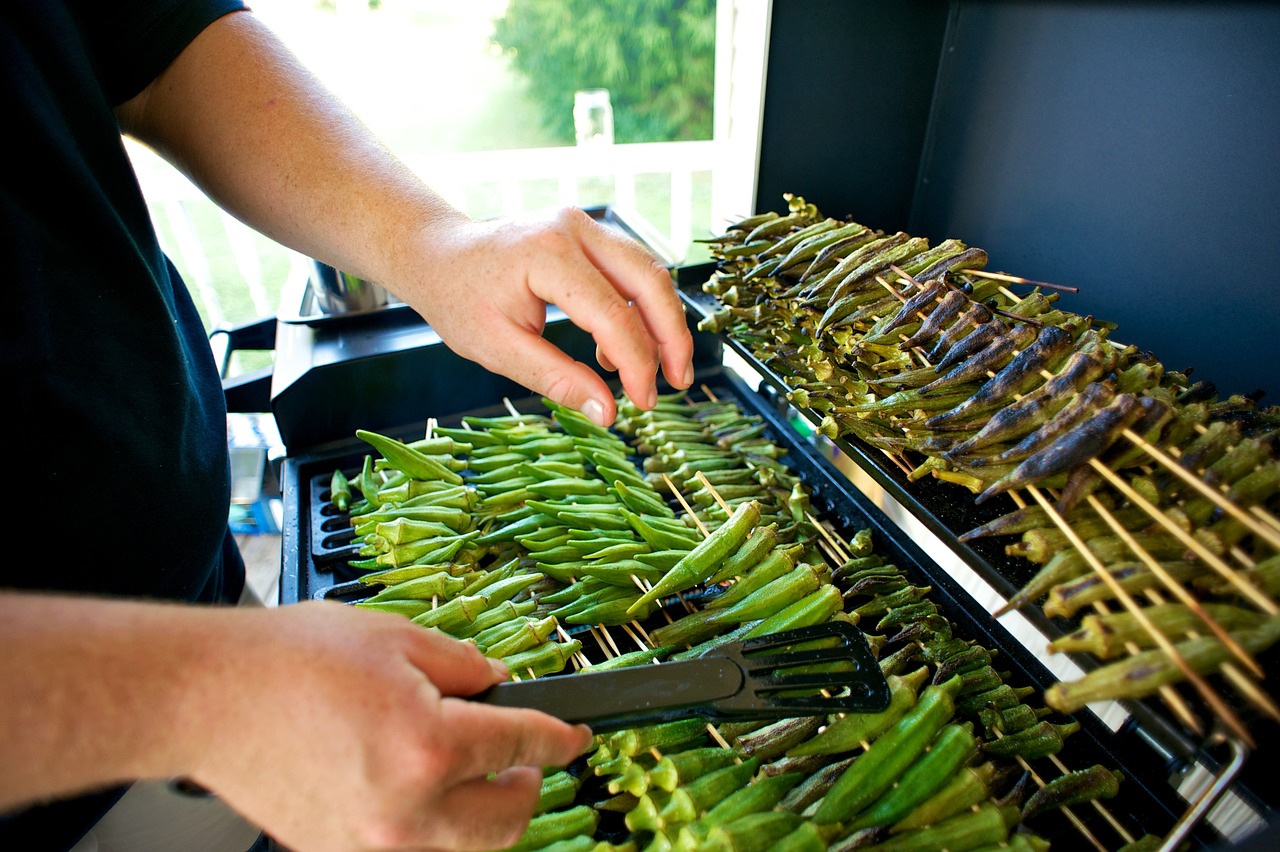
pixel 1040 740
pixel 703 560
pixel 950 750
pixel 984 825
pixel 971 786
pixel 1074 788
pixel 558 790
pixel 340 491
pixel 755 832
pixel 557 825
pixel 544 659
pixel 680 767
pixel 850 731
pixel 407 460
pixel 889 755
pixel 692 800
pixel 759 544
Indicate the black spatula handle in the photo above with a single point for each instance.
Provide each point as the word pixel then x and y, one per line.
pixel 626 698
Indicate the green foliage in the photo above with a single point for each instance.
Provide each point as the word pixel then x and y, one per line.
pixel 656 58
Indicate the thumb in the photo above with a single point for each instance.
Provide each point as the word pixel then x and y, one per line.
pixel 545 369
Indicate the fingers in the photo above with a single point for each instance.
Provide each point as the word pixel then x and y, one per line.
pixel 453 667
pixel 644 282
pixel 544 368
pixel 497 738
pixel 594 305
pixel 488 813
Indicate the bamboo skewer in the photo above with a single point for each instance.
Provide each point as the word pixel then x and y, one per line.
pixel 1017 279
pixel 684 504
pixel 1237 678
pixel 1264 603
pixel 1220 708
pixel 1259 529
pixel 1173 586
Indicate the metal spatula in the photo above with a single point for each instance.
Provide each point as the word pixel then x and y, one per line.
pixel 761 678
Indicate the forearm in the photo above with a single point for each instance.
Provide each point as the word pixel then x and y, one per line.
pixel 96 692
pixel 266 140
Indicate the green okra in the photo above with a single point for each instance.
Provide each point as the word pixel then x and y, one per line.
pixel 680 767
pixel 608 612
pixel 558 790
pixel 755 832
pixel 1001 697
pixel 547 658
pixel 703 560
pixel 494 615
pixel 1073 788
pixel 530 634
pixel 778 563
pixel 817 607
pixel 633 741
pixel 340 491
pixel 950 750
pixel 985 825
pixel 762 603
pixel 631 658
pixel 550 827
pixel 759 544
pixel 661 536
pixel 815 786
pixel 850 731
pixel 452 615
pixel 889 755
pixel 436 585
pixel 1040 740
pixel 1011 720
pixel 968 788
pixel 458 520
pixel 690 801
pixel 774 739
pixel 415 464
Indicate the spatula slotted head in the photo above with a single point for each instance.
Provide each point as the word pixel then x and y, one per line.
pixel 828 668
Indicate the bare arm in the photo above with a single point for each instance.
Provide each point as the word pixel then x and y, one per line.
pixel 291 715
pixel 261 135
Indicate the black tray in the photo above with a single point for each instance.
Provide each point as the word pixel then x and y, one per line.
pixel 1147 750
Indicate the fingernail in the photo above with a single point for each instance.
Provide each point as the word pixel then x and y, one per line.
pixel 499 668
pixel 594 411
pixel 651 398
pixel 688 375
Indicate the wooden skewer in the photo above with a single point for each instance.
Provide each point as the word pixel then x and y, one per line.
pixel 511 409
pixel 1173 586
pixel 1017 279
pixel 431 428
pixel 1257 528
pixel 838 546
pixel 1040 782
pixel 1264 603
pixel 1238 679
pixel 1219 707
pixel 1098 805
pixel 711 396
pixel 1266 517
pixel 640 643
pixel 685 505
pixel 706 483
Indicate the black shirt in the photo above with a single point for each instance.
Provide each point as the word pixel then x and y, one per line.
pixel 114 416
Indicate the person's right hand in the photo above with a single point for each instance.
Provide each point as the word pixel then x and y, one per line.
pixel 343 729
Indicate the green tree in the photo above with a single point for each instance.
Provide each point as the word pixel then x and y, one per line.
pixel 656 58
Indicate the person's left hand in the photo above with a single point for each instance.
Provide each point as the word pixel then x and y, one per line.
pixel 485 285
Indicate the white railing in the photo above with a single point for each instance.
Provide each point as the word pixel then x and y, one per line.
pixel 194 232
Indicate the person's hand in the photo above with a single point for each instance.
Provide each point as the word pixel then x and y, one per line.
pixel 484 287
pixel 352 738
